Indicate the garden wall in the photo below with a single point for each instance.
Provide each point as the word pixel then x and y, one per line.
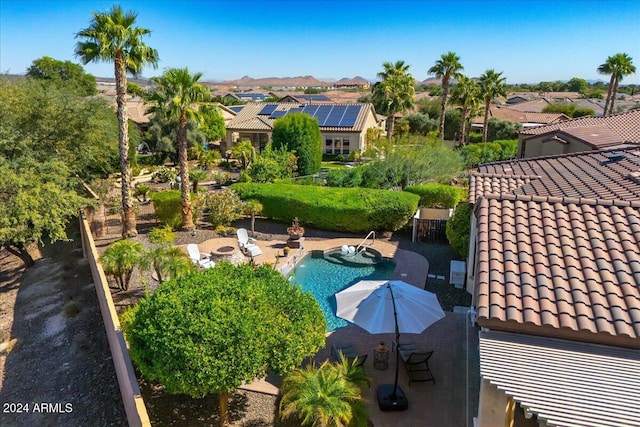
pixel 135 409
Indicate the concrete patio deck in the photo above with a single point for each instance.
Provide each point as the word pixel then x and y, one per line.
pixel 451 401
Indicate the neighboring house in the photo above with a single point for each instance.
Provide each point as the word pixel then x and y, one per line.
pixel 581 134
pixel 526 118
pixel 307 98
pixel 247 96
pixel 137 112
pixel 533 106
pixel 554 272
pixel 517 98
pixel 354 83
pixel 343 126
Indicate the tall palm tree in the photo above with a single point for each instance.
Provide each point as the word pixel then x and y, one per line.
pixel 177 97
pixel 396 91
pixel 492 84
pixel 447 67
pixel 466 94
pixel 618 65
pixel 113 37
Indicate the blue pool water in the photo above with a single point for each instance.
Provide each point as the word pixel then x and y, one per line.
pixel 324 276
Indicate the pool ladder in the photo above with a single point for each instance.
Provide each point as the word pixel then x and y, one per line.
pixel 363 246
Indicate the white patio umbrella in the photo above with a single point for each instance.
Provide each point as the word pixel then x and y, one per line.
pixel 388 306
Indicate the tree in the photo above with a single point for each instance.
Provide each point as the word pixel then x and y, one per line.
pixel 492 85
pixel 213 125
pixel 37 201
pixel 619 66
pixel 300 134
pixel 113 37
pixel 328 395
pixel 395 93
pixel 577 85
pixel 447 67
pixel 210 331
pixel 63 73
pixel 196 176
pixel 177 97
pixel 120 259
pixel 253 207
pixel 466 94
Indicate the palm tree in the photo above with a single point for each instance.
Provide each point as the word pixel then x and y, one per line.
pixel 322 396
pixel 113 37
pixel 466 94
pixel 253 207
pixel 177 97
pixel 446 67
pixel 492 84
pixel 618 65
pixel 197 176
pixel 396 91
pixel 120 259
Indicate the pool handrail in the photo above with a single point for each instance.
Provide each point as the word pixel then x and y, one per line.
pixel 361 246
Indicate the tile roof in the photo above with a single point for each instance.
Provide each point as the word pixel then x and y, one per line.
pixel 591 174
pixel 626 125
pixel 535 106
pixel 566 265
pixel 518 116
pixel 564 383
pixel 249 119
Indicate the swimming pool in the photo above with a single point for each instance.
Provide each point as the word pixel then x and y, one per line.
pixel 324 274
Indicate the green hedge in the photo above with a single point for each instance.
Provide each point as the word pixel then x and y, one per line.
pixel 355 210
pixel 437 195
pixel 168 207
pixel 458 229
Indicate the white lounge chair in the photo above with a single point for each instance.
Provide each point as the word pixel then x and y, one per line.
pixel 247 244
pixel 199 258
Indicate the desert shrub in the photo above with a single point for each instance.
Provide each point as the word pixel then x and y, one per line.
pixel 458 229
pixel 421 124
pixel 168 207
pixel 164 174
pixel 355 210
pixel 486 152
pixel 351 177
pixel 437 195
pixel 502 129
pixel 224 206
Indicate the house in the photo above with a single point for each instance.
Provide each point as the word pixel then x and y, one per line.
pixel 247 96
pixel 307 98
pixel 554 271
pixel 527 119
pixel 354 83
pixel 581 134
pixel 343 126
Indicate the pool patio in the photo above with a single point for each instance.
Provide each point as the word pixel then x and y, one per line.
pixel 451 401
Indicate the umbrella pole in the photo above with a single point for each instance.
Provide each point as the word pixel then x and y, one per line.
pixel 395 318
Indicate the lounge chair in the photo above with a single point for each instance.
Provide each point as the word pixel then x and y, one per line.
pixel 406 348
pixel 417 367
pixel 349 352
pixel 247 244
pixel 199 258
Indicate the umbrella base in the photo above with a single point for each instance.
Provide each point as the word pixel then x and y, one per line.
pixel 387 402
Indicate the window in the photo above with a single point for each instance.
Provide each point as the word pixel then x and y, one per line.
pixel 345 146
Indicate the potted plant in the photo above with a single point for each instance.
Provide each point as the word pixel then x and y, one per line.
pixel 286 250
pixel 295 231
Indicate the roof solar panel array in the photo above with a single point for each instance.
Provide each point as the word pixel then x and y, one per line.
pixel 327 115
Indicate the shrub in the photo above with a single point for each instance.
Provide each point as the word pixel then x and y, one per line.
pixel 120 259
pixel 351 177
pixel 224 206
pixel 458 229
pixel 475 137
pixel 502 129
pixel 168 207
pixel 486 152
pixel 164 174
pixel 437 195
pixel 300 133
pixel 355 210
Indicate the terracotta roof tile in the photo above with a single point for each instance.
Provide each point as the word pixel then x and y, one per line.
pixel 570 264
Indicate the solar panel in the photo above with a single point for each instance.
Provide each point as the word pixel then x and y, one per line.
pixel 310 109
pixel 350 116
pixel 277 114
pixel 334 117
pixel 322 113
pixel 268 109
pixel 295 110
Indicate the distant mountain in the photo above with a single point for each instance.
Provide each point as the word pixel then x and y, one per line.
pixel 300 81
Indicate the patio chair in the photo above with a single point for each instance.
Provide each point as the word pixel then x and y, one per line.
pixel 417 367
pixel 199 258
pixel 349 352
pixel 247 244
pixel 406 348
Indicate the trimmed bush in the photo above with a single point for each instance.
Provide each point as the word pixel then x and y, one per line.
pixel 458 229
pixel 356 210
pixel 437 195
pixel 168 207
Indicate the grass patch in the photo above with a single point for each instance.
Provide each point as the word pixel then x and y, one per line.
pixel 72 309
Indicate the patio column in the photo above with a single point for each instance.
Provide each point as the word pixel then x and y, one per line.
pixel 494 406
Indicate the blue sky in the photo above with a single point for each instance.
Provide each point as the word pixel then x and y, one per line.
pixel 530 41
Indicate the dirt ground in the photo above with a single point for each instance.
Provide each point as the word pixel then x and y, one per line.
pixel 55 364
